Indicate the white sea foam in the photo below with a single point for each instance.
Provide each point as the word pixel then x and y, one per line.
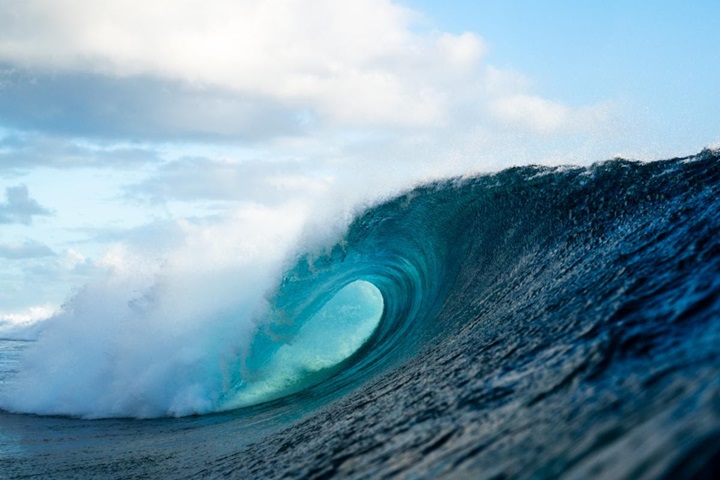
pixel 155 336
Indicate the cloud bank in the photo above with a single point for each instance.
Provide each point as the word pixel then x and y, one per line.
pixel 248 70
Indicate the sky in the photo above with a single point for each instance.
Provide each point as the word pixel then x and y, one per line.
pixel 134 134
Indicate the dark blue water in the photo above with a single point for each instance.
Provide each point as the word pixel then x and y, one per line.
pixel 538 323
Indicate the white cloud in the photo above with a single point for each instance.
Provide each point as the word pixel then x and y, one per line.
pixel 535 112
pixel 30 315
pixel 350 63
pixel 463 50
pixel 25 324
pixel 326 53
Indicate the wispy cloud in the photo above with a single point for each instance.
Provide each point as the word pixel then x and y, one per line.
pixel 26 249
pixel 201 179
pixel 24 151
pixel 19 207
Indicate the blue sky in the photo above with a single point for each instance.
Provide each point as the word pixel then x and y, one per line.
pixel 658 57
pixel 135 134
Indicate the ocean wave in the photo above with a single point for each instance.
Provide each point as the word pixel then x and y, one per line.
pixel 553 316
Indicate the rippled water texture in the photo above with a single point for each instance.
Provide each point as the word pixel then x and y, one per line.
pixel 537 323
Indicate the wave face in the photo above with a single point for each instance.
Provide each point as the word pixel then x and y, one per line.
pixel 531 323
